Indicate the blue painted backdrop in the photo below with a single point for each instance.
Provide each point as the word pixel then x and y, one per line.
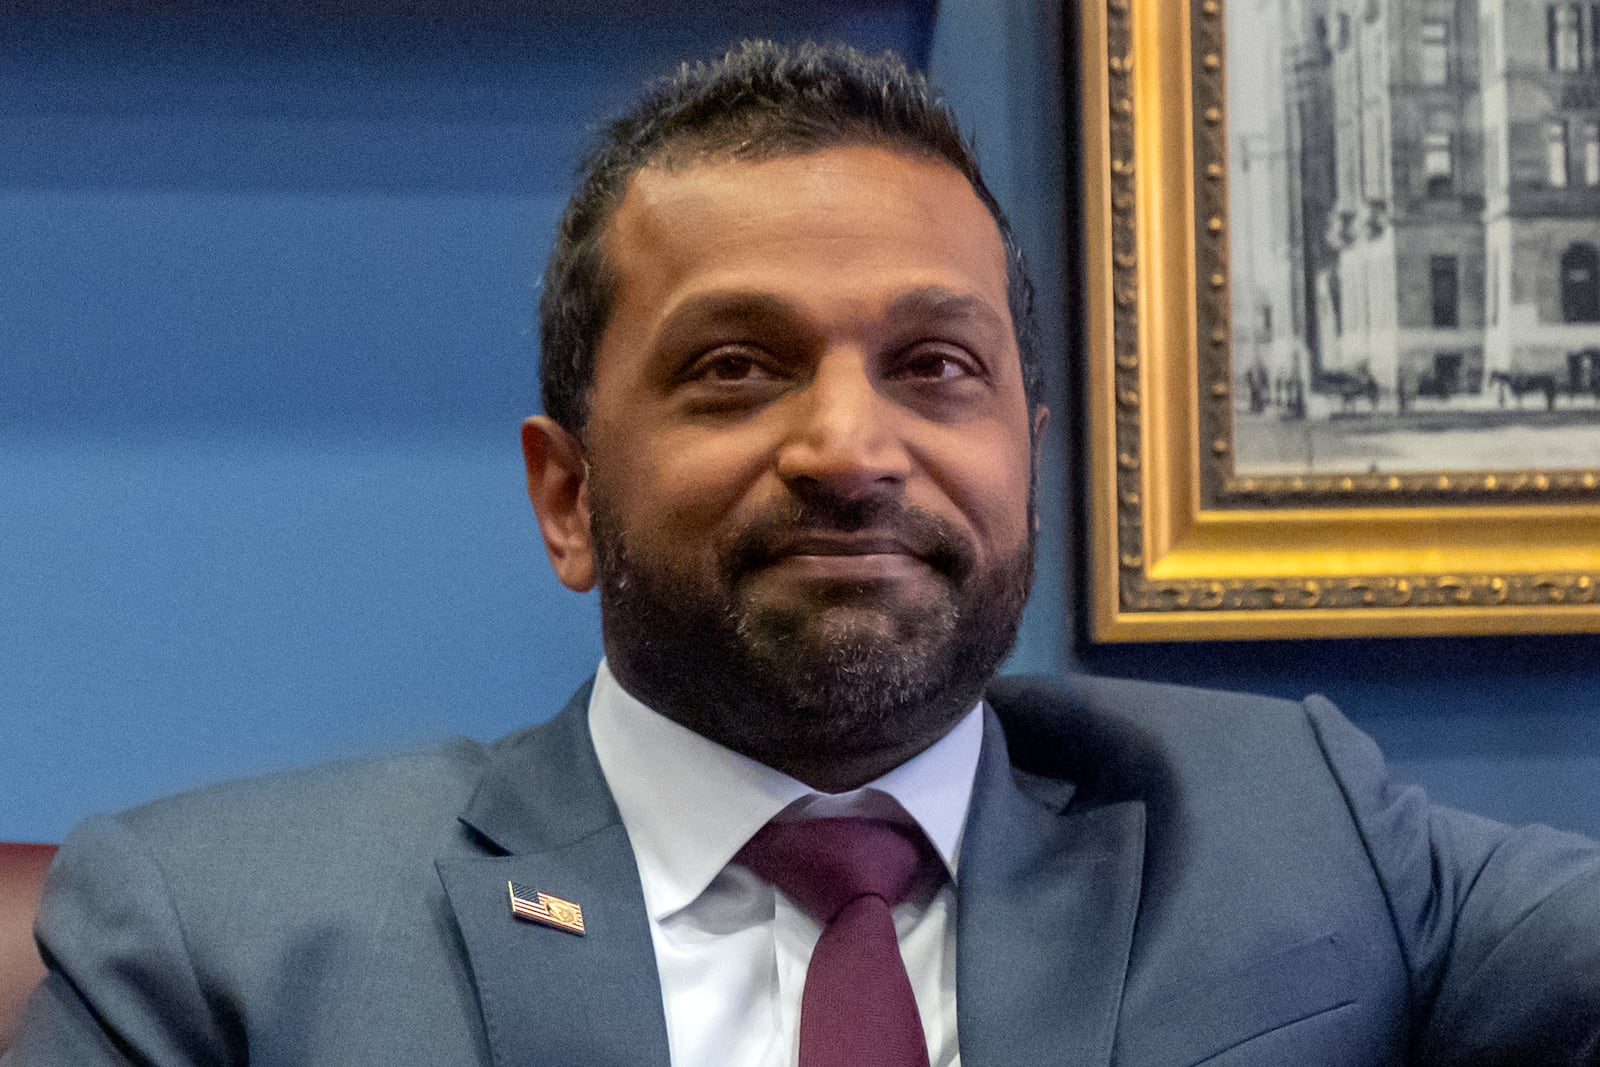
pixel 266 332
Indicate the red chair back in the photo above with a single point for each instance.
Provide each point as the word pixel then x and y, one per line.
pixel 22 870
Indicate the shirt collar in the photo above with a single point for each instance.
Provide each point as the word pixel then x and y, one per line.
pixel 689 804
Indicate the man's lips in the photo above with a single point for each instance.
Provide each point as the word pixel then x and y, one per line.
pixel 851 557
pixel 883 544
pixel 842 544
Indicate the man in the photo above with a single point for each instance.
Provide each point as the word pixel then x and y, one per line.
pixel 791 401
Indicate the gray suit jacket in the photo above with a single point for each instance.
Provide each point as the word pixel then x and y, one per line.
pixel 1149 876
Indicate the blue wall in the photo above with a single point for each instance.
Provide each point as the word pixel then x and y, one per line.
pixel 267 309
pixel 266 332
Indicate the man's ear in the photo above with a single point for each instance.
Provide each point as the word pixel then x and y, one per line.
pixel 558 486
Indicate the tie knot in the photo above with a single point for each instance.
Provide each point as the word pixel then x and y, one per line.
pixel 824 864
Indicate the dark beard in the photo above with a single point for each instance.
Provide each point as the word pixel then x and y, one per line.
pixel 851 674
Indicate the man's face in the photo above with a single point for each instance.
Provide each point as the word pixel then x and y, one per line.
pixel 808 455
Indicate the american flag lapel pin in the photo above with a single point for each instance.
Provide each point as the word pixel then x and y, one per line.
pixel 540 907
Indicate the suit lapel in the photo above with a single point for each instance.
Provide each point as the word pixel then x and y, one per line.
pixel 549 996
pixel 1047 896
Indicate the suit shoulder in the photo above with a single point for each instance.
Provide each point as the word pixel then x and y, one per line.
pixel 393 799
pixel 1083 698
pixel 1116 731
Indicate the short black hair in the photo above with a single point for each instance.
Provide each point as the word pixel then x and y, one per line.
pixel 761 100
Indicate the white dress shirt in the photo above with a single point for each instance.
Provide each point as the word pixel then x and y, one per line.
pixel 730 950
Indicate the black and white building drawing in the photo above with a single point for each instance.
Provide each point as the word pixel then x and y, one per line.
pixel 1415 205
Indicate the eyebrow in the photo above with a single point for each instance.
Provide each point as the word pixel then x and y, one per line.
pixel 931 302
pixel 725 306
pixel 938 302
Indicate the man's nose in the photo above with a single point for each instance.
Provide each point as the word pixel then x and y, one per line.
pixel 844 434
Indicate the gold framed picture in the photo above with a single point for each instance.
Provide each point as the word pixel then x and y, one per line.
pixel 1343 315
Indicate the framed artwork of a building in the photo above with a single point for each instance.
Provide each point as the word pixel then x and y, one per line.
pixel 1343 281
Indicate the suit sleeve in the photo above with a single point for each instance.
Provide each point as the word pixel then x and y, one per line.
pixel 1500 925
pixel 121 987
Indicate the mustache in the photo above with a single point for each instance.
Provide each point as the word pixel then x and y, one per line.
pixel 878 523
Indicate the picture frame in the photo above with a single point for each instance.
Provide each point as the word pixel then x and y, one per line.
pixel 1186 542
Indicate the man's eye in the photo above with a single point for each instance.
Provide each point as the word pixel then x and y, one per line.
pixel 731 366
pixel 941 364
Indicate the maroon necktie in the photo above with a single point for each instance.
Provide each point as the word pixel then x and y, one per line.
pixel 857 1008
